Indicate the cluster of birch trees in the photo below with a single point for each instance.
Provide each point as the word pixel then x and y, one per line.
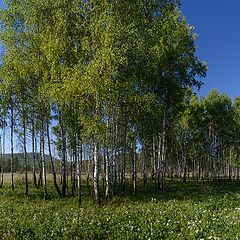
pixel 112 81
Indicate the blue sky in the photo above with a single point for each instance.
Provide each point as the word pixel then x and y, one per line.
pixel 218 25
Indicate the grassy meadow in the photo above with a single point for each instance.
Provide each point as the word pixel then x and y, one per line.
pixel 207 210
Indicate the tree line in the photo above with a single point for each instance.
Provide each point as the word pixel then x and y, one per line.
pixel 113 82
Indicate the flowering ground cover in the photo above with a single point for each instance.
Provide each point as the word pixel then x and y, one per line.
pixel 209 210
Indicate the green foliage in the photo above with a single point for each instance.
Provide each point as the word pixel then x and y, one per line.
pixel 98 58
pixel 186 211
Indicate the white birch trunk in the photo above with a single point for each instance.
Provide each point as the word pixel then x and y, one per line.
pixel 96 173
pixel 44 174
pixel 79 157
pixel 12 126
pixel 25 155
pixel 163 153
pixel 107 192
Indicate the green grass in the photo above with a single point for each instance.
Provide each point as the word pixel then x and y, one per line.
pixel 185 211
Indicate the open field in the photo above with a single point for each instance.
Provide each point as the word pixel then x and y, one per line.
pixel 186 211
pixel 20 177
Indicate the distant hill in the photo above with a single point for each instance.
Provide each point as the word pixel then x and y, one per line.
pixel 20 156
pixel 18 162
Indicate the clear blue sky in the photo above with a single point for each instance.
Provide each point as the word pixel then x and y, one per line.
pixel 218 25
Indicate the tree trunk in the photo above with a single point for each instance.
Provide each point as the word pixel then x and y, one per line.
pixel 1 180
pixel 39 161
pixel 184 155
pixel 144 166
pixel 72 160
pixel 114 170
pixel 103 169
pixel 11 137
pixel 96 173
pixel 79 170
pixel 134 172
pixel 154 163
pixel 33 152
pixel 159 161
pixel 63 161
pixel 107 192
pixel 25 155
pixel 124 157
pixel 52 164
pixel 88 169
pixel 44 173
pixel 229 165
pixel 117 155
pixel 163 153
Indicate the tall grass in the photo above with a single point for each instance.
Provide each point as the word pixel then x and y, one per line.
pixel 207 210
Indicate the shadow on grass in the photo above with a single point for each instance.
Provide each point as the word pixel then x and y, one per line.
pixel 178 190
pixel 175 190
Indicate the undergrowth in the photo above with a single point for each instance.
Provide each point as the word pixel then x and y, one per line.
pixel 207 210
